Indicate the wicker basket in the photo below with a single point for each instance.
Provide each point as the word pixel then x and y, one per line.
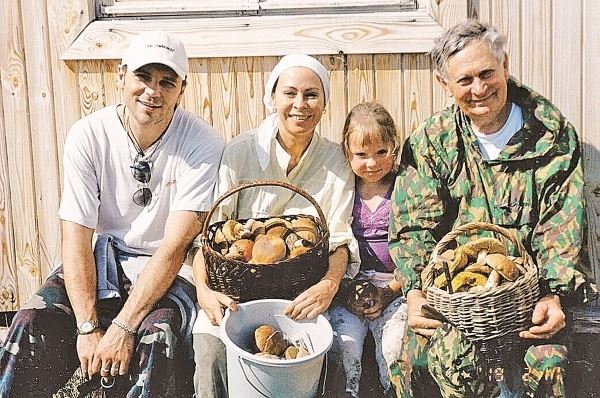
pixel 284 279
pixel 493 318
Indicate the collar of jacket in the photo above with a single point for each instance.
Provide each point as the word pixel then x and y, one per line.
pixel 542 123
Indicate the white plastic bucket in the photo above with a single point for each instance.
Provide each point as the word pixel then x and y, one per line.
pixel 250 376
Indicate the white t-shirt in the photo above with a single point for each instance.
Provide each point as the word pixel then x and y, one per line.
pixel 99 185
pixel 492 144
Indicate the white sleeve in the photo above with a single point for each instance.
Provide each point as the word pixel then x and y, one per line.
pixel 196 182
pixel 340 218
pixel 81 193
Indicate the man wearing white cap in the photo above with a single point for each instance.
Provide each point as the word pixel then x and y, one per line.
pixel 138 181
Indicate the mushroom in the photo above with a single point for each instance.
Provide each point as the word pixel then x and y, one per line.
pixel 504 266
pixel 270 340
pixel 246 231
pixel 276 221
pixel 306 228
pixel 241 247
pixel 298 250
pixel 465 280
pixel 220 242
pixel 293 352
pixel 277 227
pixel 258 228
pixel 232 230
pixel 457 264
pixel 483 246
pixel 493 280
pixel 482 269
pixel 268 249
pixel 267 355
pixel 234 254
pixel 291 239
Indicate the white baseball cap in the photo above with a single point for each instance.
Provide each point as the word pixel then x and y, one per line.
pixel 156 47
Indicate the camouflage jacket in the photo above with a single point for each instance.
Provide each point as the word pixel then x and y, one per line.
pixel 534 188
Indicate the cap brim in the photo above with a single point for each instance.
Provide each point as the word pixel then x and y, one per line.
pixel 137 65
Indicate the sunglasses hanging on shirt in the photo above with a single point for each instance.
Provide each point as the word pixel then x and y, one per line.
pixel 141 168
pixel 142 172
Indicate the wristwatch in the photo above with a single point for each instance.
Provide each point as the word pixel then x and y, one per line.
pixel 87 327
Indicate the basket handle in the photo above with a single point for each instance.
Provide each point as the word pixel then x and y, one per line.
pixel 263 183
pixel 427 273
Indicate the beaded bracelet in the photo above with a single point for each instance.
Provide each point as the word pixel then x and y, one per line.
pixel 129 330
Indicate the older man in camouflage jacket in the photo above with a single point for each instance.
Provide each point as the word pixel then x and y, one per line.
pixel 501 154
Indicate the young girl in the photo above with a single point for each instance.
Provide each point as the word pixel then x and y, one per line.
pixel 370 144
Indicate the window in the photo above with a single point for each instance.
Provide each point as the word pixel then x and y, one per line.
pixel 161 8
pixel 230 28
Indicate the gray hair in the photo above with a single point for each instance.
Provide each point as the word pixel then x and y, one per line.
pixel 459 37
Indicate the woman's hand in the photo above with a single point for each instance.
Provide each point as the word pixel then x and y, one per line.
pixel 213 303
pixel 548 319
pixel 313 301
pixel 419 324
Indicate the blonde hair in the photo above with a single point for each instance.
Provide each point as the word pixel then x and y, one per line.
pixel 370 120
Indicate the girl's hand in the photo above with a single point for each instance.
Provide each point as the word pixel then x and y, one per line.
pixel 375 309
pixel 384 297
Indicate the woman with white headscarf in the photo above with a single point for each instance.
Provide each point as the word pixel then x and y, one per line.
pixel 284 147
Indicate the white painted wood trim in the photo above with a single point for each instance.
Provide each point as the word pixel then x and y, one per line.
pixel 183 7
pixel 137 8
pixel 371 33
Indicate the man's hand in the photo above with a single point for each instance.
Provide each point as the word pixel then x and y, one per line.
pixel 86 347
pixel 548 319
pixel 213 303
pixel 113 353
pixel 313 301
pixel 419 324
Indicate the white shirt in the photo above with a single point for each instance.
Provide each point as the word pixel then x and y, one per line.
pixel 99 185
pixel 492 144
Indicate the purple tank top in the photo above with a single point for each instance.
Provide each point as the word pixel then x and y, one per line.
pixel 371 231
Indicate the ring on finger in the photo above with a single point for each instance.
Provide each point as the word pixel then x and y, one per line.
pixel 108 383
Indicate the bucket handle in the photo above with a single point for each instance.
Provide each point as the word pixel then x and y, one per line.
pixel 267 396
pixel 324 376
pixel 248 379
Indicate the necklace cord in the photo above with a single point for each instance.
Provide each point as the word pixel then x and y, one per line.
pixel 134 141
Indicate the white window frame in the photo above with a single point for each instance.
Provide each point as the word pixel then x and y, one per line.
pixel 148 8
pixel 284 32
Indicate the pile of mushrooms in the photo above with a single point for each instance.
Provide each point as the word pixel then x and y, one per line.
pixel 477 266
pixel 273 345
pixel 258 242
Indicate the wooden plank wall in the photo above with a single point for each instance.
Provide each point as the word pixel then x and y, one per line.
pixel 554 46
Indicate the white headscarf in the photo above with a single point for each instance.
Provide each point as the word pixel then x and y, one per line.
pixel 268 128
pixel 292 61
